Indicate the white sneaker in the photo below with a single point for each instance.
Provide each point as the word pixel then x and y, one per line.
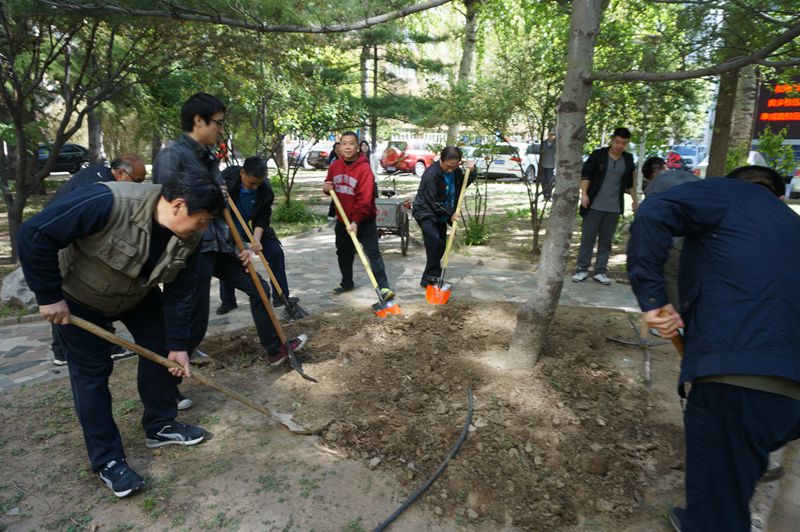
pixel 602 278
pixel 579 277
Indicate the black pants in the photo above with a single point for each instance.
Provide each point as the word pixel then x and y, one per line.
pixel 90 366
pixel 729 432
pixel 434 235
pixel 273 252
pixel 60 350
pixel 345 252
pixel 227 267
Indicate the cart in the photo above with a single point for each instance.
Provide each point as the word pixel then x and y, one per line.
pixel 393 217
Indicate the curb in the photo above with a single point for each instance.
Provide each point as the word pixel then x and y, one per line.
pixel 16 320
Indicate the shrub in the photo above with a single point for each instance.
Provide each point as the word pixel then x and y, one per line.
pixel 293 212
pixel 477 234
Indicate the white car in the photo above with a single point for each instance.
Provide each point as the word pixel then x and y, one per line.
pixel 753 157
pixel 506 161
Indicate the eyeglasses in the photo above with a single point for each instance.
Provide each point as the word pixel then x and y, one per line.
pixel 220 123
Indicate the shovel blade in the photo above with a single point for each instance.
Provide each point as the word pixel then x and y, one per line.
pixel 438 295
pixel 390 307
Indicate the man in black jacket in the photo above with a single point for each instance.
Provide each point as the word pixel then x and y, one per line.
pixel 252 193
pixel 607 174
pixel 435 208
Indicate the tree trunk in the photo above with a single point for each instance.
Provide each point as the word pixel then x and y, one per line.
pixel 467 55
pixel 97 154
pixel 720 143
pixel 536 314
pixel 744 110
pixel 156 143
pixel 364 70
pixel 373 118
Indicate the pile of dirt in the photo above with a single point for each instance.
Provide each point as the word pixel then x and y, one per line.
pixel 574 441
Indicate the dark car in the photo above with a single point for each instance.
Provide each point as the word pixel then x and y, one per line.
pixel 71 158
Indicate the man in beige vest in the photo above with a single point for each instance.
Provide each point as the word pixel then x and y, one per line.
pixel 100 253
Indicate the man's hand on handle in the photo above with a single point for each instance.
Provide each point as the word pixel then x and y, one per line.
pixel 665 320
pixel 182 358
pixel 327 186
pixel 57 313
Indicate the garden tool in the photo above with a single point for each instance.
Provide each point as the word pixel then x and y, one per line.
pixel 293 309
pixel 265 300
pixel 284 419
pixel 383 307
pixel 648 376
pixel 439 292
pixel 677 341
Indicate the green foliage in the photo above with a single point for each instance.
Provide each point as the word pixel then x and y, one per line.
pixel 292 212
pixel 477 233
pixel 778 156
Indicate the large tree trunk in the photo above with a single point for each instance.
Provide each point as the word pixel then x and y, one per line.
pixel 536 314
pixel 97 153
pixel 373 118
pixel 467 55
pixel 744 110
pixel 721 140
pixel 364 70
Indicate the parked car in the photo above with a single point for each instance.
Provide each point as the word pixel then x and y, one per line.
pixel 682 157
pixel 318 155
pixel 413 155
pixel 507 160
pixel 753 157
pixel 297 154
pixel 71 158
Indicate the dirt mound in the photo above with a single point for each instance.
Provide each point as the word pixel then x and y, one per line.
pixel 577 440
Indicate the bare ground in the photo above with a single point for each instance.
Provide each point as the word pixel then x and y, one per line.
pixel 575 444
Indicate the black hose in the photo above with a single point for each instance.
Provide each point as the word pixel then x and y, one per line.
pixel 438 472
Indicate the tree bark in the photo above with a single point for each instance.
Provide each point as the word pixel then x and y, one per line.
pixel 97 153
pixel 744 110
pixel 373 118
pixel 467 55
pixel 364 71
pixel 536 314
pixel 720 142
pixel 156 143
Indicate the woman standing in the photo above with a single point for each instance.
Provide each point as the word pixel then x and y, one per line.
pixel 435 207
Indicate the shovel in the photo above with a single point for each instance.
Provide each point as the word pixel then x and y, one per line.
pixel 293 310
pixel 381 308
pixel 439 293
pixel 265 300
pixel 284 419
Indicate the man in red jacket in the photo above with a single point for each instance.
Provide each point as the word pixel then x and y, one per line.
pixel 352 178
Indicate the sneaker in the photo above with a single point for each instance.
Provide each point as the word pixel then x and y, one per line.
pixel 225 308
pixel 579 277
pixel 387 294
pixel 59 360
pixel 601 278
pixel 341 289
pixel 296 344
pixel 118 476
pixel 175 433
pixel 184 403
pixel 676 517
pixel 119 353
pixel 196 354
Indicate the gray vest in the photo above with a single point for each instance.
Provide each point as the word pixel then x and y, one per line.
pixel 102 270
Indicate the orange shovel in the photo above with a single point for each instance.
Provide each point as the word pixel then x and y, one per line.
pixel 382 308
pixel 439 292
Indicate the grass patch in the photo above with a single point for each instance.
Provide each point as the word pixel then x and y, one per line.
pixel 354 526
pixel 159 492
pixel 272 483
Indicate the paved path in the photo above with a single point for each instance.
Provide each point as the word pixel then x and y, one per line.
pixel 311 263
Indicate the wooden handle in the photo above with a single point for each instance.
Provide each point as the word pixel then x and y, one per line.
pixel 252 240
pixel 452 236
pixel 167 363
pixel 677 341
pixel 356 243
pixel 256 280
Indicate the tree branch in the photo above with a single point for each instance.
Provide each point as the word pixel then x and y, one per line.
pixel 720 68
pixel 180 13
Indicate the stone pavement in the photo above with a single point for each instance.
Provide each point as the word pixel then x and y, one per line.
pixel 313 271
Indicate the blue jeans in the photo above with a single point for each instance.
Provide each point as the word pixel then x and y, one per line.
pixel 729 433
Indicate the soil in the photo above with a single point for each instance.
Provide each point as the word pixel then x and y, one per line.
pixel 577 443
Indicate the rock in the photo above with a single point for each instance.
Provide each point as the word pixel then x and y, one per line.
pixel 332 436
pixel 480 422
pixel 13 511
pixel 513 454
pixel 472 514
pixel 596 447
pixel 374 463
pixel 437 510
pixel 600 421
pixel 157 452
pixel 472 428
pixel 15 291
pixel 537 460
pixel 528 448
pixel 604 505
pixel 411 466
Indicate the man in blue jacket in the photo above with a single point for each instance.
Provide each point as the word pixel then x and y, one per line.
pixel 740 306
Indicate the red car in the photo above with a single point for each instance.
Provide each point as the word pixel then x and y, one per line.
pixel 413 155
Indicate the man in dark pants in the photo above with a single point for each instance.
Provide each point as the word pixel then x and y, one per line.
pixel 739 292
pixel 435 208
pixel 607 174
pixel 547 154
pixel 352 178
pixel 128 168
pixel 118 242
pixel 252 193
pixel 202 120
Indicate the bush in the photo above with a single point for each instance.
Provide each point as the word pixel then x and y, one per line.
pixel 477 234
pixel 290 213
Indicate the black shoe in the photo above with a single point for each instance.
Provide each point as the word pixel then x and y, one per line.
pixel 342 289
pixel 177 434
pixel 118 353
pixel 224 308
pixel 118 476
pixel 676 518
